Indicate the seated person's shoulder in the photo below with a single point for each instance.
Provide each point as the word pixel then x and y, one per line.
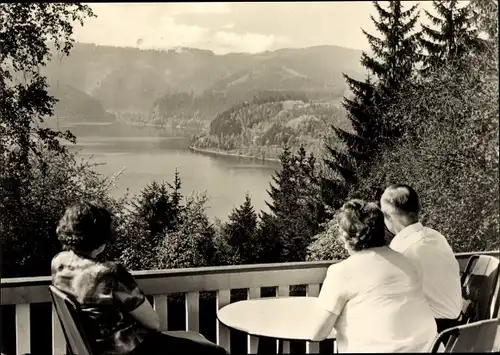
pixel 432 240
pixel 87 280
pixel 340 269
pixel 69 261
pixel 438 238
pixel 114 275
pixel 69 264
pixel 59 260
pixel 120 273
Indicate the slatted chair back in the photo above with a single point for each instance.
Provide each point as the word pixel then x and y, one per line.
pixel 477 337
pixel 67 312
pixel 480 289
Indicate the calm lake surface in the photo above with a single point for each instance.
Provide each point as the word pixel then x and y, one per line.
pixel 148 154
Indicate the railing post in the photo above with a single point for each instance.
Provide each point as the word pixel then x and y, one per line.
pixel 223 333
pixel 23 345
pixel 253 342
pixel 193 311
pixel 283 291
pixel 161 307
pixel 312 291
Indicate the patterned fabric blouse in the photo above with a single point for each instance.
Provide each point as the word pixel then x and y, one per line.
pixel 106 292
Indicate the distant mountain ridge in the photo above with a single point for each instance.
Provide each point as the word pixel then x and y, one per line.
pixel 131 79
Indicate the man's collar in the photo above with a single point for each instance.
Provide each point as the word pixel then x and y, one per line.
pixel 409 230
pixel 402 236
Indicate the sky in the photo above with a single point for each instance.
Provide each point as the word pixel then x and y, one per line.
pixel 225 27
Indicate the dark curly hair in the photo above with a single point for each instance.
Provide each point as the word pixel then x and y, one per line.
pixel 363 224
pixel 84 227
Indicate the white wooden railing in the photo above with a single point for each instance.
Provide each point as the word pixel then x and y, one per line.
pixel 22 292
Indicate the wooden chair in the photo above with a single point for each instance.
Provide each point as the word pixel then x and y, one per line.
pixel 68 314
pixel 76 339
pixel 480 289
pixel 477 337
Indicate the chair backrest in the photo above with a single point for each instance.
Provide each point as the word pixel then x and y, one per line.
pixel 479 287
pixel 482 336
pixel 67 312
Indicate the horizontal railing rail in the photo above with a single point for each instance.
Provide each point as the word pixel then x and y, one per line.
pixel 22 292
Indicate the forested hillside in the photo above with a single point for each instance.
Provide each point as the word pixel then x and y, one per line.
pixel 74 104
pixel 260 128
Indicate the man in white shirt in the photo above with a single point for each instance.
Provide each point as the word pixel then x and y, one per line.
pixel 428 249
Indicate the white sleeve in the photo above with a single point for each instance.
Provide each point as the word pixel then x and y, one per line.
pixel 333 295
pixel 415 254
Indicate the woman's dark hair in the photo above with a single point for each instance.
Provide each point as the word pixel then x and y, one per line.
pixel 84 227
pixel 363 223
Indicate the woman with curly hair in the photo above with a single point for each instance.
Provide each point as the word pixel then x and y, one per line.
pixel 116 316
pixel 374 298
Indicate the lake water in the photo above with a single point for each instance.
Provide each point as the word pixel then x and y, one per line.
pixel 148 154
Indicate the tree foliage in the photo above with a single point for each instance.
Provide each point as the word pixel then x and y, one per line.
pixel 450 153
pixel 261 127
pixel 296 204
pixel 327 244
pixel 159 206
pixel 453 38
pixel 25 32
pixel 28 221
pixel 397 51
pixel 240 233
pixel 396 54
pixel 192 245
pixel 38 177
pixel 485 17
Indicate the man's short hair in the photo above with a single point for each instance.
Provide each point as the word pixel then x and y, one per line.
pixel 403 198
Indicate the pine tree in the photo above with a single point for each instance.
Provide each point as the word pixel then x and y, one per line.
pixel 309 190
pixel 152 205
pixel 296 205
pixel 175 200
pixel 192 245
pixel 455 37
pixel 281 190
pixel 240 232
pixel 268 239
pixel 397 52
pixel 160 208
pixel 396 55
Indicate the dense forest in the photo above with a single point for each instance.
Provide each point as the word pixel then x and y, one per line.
pixel 74 104
pixel 262 126
pixel 427 115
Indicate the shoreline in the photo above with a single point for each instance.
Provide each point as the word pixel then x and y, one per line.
pixel 233 155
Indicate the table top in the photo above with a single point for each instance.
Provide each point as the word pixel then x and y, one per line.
pixel 286 318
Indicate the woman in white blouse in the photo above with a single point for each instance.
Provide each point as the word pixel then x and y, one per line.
pixel 374 298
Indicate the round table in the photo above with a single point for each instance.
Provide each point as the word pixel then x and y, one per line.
pixel 283 318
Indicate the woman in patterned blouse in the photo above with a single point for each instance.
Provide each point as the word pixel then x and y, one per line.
pixel 117 317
